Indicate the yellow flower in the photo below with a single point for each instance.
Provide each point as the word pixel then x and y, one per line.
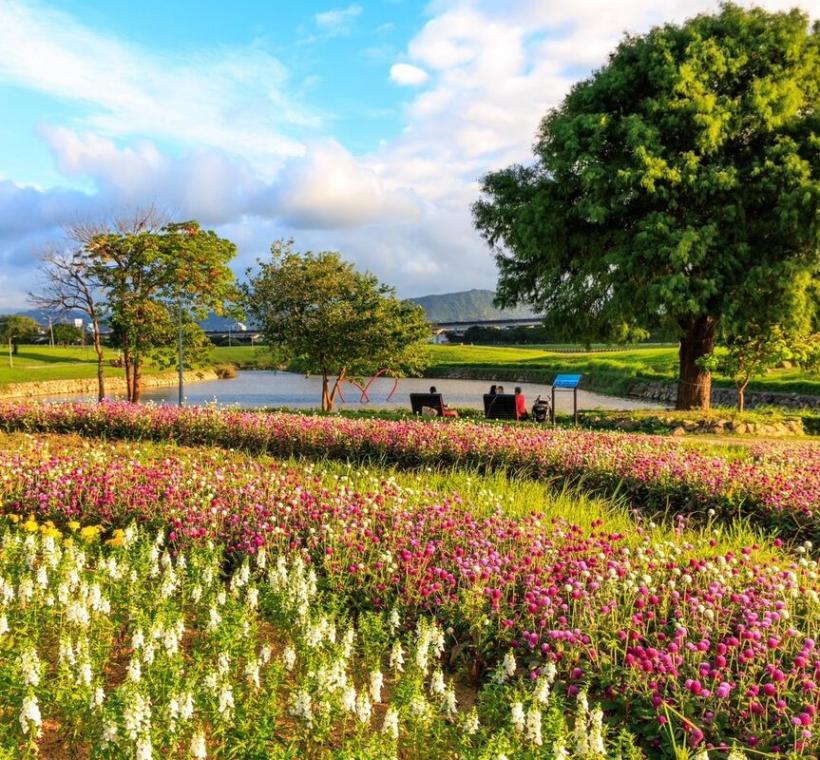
pixel 73 525
pixel 117 538
pixel 50 530
pixel 89 533
pixel 14 518
pixel 31 525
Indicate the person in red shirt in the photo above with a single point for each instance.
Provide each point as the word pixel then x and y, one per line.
pixel 520 405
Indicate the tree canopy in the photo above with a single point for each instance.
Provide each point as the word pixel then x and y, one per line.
pixel 317 310
pixel 668 185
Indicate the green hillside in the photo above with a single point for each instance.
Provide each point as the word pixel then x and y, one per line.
pixel 466 305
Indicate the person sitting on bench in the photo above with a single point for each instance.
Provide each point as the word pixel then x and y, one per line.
pixel 445 410
pixel 520 406
pixel 493 390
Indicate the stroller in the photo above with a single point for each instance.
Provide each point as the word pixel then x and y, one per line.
pixel 540 410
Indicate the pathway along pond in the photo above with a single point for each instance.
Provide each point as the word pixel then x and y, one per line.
pixel 259 388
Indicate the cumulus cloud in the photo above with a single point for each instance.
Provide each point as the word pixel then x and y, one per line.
pixel 406 74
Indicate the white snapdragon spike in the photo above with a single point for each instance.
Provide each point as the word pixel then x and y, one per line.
pixel 289 658
pixel 97 698
pixel 261 559
pixel 84 672
pixel 226 703
pixel 144 750
pixel 30 667
pixel 394 620
pixel 42 577
pixel 136 715
pixel 221 598
pixel 25 591
pixel 702 755
pixel 596 732
pixel 559 750
pixel 252 673
pixel 252 597
pixel 265 653
pixel 196 593
pixel 349 699
pixel 214 619
pixel 4 625
pixel 534 726
pixel 198 749
pixel 134 669
pixel 450 702
pixel 376 683
pixel 137 639
pixel 580 731
pixel 735 753
pixel 348 642
pixel 437 682
pixel 364 709
pixel 223 663
pixel 109 734
pixel 471 723
pixel 396 660
pixel 186 706
pixel 302 706
pixel 419 706
pixel 66 652
pixel 508 664
pixel 30 719
pixel 519 720
pixel 390 726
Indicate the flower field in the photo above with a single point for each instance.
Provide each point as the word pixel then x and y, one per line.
pixel 697 634
pixel 777 484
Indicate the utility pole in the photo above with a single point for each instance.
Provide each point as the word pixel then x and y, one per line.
pixel 11 354
pixel 179 350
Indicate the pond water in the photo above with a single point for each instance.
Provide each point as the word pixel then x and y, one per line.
pixel 255 389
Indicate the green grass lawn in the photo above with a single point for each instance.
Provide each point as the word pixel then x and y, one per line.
pixel 610 371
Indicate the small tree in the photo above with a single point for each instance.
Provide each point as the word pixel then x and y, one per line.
pixel 70 284
pixel 151 273
pixel 15 329
pixel 66 334
pixel 318 310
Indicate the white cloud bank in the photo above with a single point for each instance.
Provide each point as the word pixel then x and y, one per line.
pixel 402 211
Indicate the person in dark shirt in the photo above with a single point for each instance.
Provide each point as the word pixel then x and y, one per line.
pixel 520 405
pixel 493 390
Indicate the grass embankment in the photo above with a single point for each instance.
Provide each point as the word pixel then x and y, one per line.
pixel 607 372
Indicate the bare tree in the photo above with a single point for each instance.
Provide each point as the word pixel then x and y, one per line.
pixel 69 284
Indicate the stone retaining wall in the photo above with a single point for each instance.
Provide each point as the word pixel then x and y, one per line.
pixel 665 393
pixel 113 385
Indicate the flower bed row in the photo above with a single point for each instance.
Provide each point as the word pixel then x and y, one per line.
pixel 777 483
pixel 721 645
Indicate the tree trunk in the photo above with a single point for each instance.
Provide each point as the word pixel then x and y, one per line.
pixel 695 384
pixel 137 385
pixel 741 396
pixel 327 403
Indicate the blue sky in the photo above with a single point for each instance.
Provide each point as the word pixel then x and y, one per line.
pixel 362 127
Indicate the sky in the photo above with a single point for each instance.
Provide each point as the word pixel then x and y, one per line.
pixel 361 127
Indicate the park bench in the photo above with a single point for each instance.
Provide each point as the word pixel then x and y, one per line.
pixel 566 383
pixel 500 406
pixel 419 401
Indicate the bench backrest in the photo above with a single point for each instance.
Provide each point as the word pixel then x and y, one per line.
pixel 432 400
pixel 500 406
pixel 569 382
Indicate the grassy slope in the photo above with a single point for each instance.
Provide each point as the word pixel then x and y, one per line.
pixel 609 371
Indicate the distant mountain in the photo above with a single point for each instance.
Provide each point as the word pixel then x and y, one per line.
pixel 465 306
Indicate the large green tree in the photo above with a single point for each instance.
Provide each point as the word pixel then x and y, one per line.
pixel 152 277
pixel 14 329
pixel 679 174
pixel 317 310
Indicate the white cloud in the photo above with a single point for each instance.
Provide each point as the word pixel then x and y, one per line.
pixel 224 97
pixel 338 21
pixel 406 74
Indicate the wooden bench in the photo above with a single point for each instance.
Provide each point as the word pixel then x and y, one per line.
pixel 430 400
pixel 500 406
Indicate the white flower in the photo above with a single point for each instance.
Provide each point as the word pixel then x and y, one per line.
pixel 596 732
pixel 394 621
pixel 397 657
pixel 390 727
pixel 508 667
pixel 534 726
pixel 252 673
pixel 4 625
pixel 364 708
pixel 186 706
pixel 134 670
pixel 450 702
pixel 702 755
pixel 198 748
pixel 559 750
pixel 289 658
pixel 225 700
pixel 437 682
pixel 302 707
pixel 517 716
pixel 98 697
pixel 30 719
pixel 471 723
pixel 30 667
pixel 109 734
pixel 265 653
pixel 144 749
pixel 214 619
pixel 735 753
pixel 349 699
pixel 376 683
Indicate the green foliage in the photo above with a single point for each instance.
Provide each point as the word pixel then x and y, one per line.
pixel 668 184
pixel 148 275
pixel 67 334
pixel 319 311
pixel 18 329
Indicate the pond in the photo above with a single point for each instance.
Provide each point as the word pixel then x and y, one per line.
pixel 259 388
